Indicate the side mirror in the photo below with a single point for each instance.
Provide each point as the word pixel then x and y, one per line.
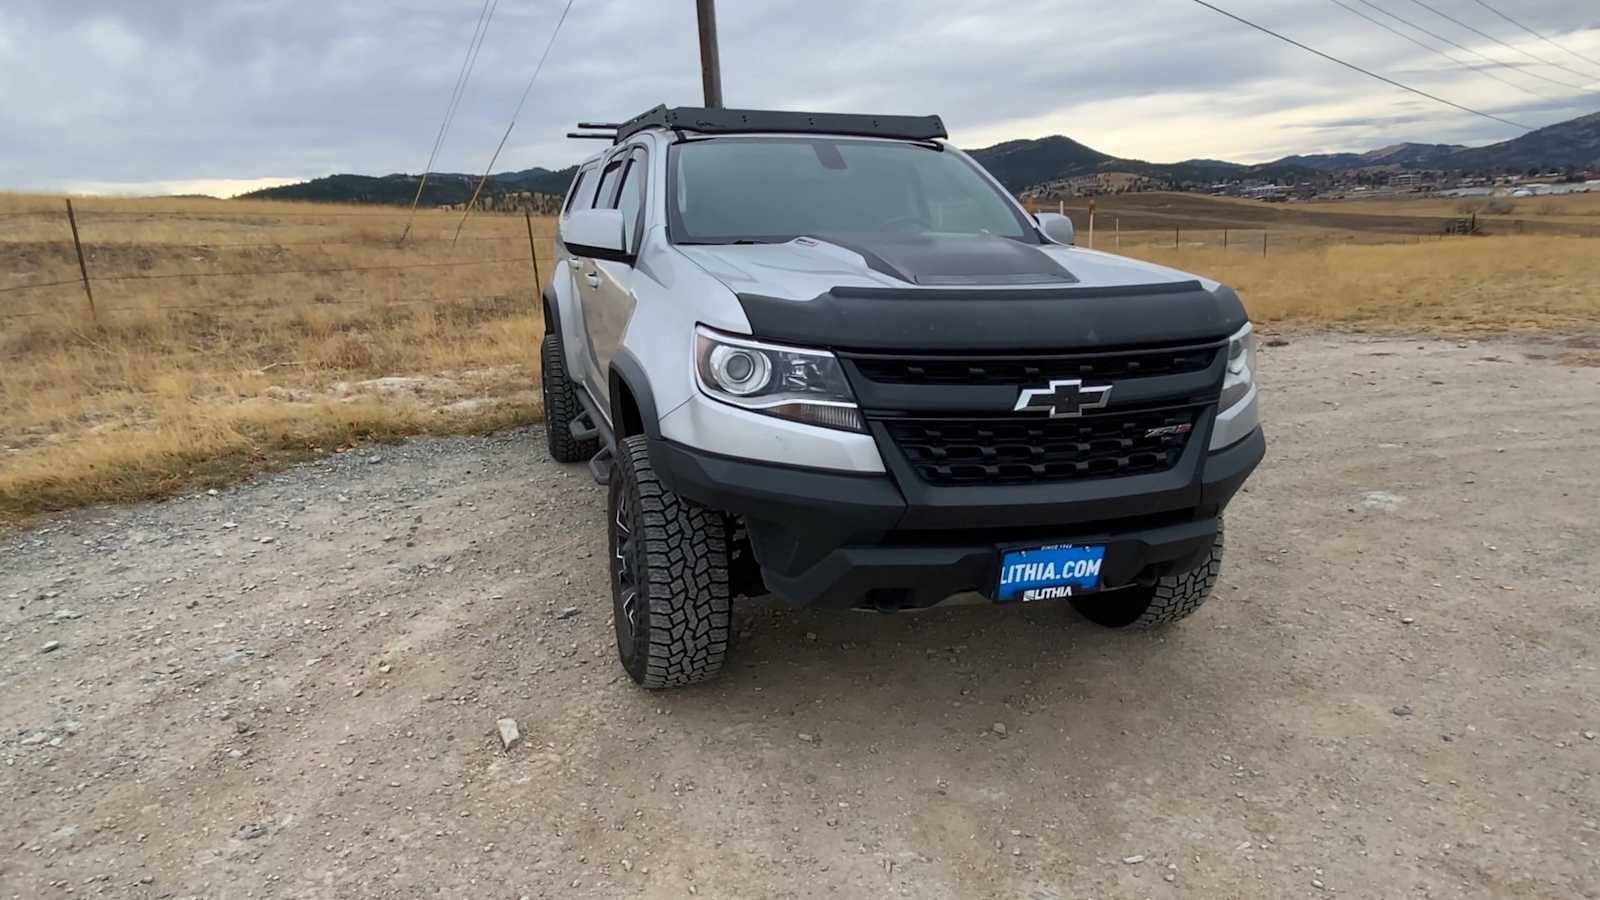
pixel 1056 227
pixel 597 233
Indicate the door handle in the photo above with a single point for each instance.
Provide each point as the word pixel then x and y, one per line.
pixel 593 278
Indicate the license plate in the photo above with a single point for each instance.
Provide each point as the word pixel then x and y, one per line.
pixel 1049 573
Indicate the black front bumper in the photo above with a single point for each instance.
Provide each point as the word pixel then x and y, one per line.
pixel 834 539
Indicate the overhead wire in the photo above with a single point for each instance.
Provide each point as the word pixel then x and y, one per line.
pixel 1473 66
pixel 539 67
pixel 1464 48
pixel 1368 72
pixel 468 63
pixel 1487 36
pixel 1536 34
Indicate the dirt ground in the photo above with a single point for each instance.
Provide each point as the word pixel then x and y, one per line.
pixel 290 689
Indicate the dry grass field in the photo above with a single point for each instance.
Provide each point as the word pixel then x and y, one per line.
pixel 1455 285
pixel 1353 220
pixel 231 337
pixel 1578 209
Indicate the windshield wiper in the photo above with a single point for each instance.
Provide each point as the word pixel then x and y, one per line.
pixel 724 243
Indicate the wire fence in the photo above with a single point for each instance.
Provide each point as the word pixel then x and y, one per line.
pixel 132 257
pixel 120 257
pixel 1175 221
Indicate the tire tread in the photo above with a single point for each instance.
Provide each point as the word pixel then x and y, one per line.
pixel 1178 596
pixel 561 406
pixel 690 606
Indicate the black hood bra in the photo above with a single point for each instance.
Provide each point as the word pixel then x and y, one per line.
pixel 964 260
pixel 1020 319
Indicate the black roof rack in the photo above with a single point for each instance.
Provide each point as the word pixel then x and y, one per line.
pixel 736 121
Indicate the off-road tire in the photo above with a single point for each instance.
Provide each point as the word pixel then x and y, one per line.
pixel 673 556
pixel 1169 599
pixel 561 407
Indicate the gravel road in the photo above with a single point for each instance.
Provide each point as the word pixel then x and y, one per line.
pixel 291 689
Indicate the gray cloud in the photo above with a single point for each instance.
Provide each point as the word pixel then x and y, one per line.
pixel 171 90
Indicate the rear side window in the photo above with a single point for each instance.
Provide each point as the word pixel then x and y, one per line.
pixel 577 188
pixel 630 199
pixel 608 184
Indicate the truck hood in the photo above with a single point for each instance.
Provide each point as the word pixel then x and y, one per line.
pixel 808 266
pixel 890 294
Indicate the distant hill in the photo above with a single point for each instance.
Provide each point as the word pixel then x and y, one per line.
pixel 1575 142
pixel 1022 164
pixel 1411 155
pixel 1405 156
pixel 1030 162
pixel 443 188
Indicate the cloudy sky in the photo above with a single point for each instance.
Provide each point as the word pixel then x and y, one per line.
pixel 224 95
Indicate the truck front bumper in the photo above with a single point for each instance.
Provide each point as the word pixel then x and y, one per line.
pixel 829 538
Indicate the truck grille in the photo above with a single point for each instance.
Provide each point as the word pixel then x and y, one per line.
pixel 1024 370
pixel 1017 451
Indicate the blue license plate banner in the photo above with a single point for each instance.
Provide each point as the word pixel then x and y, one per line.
pixel 1049 573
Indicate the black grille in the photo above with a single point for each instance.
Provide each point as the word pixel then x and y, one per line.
pixel 993 451
pixel 1033 369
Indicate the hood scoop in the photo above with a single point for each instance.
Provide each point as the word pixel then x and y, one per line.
pixel 952 261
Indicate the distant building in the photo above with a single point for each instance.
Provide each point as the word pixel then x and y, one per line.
pixel 1272 193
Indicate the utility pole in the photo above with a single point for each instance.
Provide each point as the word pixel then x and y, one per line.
pixel 710 61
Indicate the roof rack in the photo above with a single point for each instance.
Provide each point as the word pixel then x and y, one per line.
pixel 736 121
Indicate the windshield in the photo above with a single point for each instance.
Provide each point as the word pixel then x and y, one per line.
pixel 727 190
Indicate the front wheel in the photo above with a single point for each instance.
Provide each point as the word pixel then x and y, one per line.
pixel 669 577
pixel 1169 599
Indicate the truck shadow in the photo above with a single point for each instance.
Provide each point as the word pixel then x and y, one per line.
pixel 967 672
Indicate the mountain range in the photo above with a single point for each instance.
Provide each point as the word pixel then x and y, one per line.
pixel 1574 144
pixel 443 188
pixel 1022 164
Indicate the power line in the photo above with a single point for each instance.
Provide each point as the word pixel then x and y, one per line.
pixel 1462 47
pixel 1389 28
pixel 468 63
pixel 1369 73
pixel 514 113
pixel 1485 35
pixel 1536 34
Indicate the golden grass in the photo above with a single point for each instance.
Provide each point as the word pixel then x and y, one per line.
pixel 190 374
pixel 189 378
pixel 1579 208
pixel 1451 285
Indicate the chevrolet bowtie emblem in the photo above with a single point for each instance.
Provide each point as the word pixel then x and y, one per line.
pixel 1063 399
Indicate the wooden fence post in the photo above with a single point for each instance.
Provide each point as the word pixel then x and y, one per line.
pixel 1177 231
pixel 83 267
pixel 1263 243
pixel 1117 224
pixel 538 280
pixel 1224 238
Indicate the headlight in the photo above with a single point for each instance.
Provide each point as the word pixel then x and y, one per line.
pixel 789 382
pixel 1241 368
